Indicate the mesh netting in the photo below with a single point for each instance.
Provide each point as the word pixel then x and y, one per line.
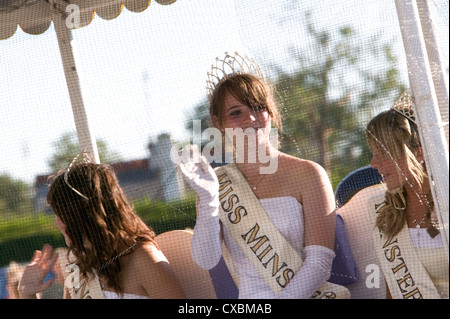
pixel 142 75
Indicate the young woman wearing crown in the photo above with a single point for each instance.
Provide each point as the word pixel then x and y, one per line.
pixel 274 226
pixel 406 235
pixel 112 252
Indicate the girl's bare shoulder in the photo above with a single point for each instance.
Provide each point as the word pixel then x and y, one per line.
pixel 147 253
pixel 298 167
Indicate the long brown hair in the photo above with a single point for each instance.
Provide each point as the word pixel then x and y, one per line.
pixel 102 227
pixel 393 135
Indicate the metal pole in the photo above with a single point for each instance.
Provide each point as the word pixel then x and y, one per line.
pixel 436 62
pixel 427 110
pixel 64 35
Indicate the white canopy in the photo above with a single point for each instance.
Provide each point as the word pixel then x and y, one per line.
pixel 35 16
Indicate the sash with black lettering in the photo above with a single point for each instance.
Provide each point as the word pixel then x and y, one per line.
pixel 247 222
pixel 403 271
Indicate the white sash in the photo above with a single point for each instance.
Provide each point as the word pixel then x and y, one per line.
pixel 87 288
pixel 269 252
pixel 403 271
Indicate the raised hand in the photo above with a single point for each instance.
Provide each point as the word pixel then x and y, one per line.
pixel 32 281
pixel 206 242
pixel 199 174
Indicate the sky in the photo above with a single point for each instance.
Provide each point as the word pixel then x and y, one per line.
pixel 142 73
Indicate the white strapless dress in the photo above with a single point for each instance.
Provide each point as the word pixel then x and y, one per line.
pixel 286 214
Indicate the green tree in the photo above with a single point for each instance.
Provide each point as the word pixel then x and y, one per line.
pixel 324 114
pixel 15 196
pixel 67 147
pixel 328 99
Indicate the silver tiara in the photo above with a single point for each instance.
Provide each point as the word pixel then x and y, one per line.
pixel 405 106
pixel 82 158
pixel 229 65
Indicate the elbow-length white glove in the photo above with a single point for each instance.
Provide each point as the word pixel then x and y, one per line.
pixel 206 243
pixel 315 270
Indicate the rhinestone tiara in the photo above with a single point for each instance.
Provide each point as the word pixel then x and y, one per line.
pixel 405 106
pixel 82 158
pixel 230 65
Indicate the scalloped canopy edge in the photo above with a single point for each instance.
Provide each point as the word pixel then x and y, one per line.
pixel 35 16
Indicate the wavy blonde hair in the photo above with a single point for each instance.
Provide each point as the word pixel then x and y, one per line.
pixel 393 135
pixel 101 228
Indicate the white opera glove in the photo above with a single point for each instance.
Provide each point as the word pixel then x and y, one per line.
pixel 206 243
pixel 315 271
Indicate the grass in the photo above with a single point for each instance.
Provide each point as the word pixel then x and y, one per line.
pixel 22 235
